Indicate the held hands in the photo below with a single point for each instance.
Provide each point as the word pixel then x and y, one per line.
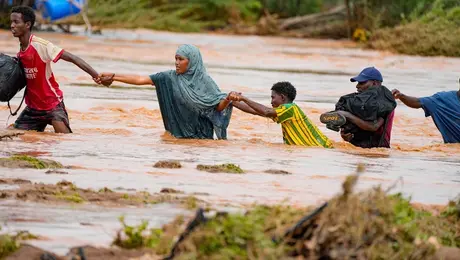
pixel 234 96
pixel 396 93
pixel 106 78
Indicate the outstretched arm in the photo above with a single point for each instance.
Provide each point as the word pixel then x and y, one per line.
pixel 260 109
pixel 364 125
pixel 409 101
pixel 67 56
pixel 222 105
pixel 245 108
pixel 128 78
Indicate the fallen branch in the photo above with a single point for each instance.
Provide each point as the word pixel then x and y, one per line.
pixel 9 134
pixel 337 13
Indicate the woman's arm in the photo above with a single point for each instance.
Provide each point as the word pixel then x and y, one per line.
pixel 129 79
pixel 222 105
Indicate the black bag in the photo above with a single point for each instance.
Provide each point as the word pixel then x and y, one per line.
pixel 375 102
pixel 12 78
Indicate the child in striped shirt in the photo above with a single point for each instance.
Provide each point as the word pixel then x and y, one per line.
pixel 297 127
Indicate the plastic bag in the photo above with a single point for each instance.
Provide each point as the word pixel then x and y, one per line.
pixel 12 78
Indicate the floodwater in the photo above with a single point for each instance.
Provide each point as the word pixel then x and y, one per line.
pixel 119 134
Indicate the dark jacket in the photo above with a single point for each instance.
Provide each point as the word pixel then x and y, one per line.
pixel 374 103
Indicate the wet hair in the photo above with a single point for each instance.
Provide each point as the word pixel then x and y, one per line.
pixel 285 88
pixel 28 14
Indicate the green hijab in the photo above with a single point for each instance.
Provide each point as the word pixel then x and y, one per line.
pixel 188 101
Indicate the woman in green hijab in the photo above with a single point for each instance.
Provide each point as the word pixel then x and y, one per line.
pixel 191 103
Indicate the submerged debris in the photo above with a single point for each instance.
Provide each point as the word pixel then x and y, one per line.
pixel 168 164
pixel 171 190
pixel 25 161
pixel 9 134
pixel 281 172
pixel 221 168
pixel 56 172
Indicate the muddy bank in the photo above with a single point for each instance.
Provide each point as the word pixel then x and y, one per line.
pixel 67 192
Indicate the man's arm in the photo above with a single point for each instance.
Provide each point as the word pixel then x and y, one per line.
pixel 67 56
pixel 364 125
pixel 409 101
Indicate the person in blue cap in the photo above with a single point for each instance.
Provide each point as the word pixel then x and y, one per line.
pixel 369 133
pixel 444 109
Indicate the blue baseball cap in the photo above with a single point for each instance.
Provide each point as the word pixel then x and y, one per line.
pixel 369 73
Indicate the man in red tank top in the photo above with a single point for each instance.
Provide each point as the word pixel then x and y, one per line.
pixel 43 96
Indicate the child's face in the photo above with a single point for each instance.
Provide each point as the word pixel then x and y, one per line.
pixel 18 27
pixel 181 64
pixel 277 99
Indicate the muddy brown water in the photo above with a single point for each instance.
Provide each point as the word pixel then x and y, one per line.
pixel 119 133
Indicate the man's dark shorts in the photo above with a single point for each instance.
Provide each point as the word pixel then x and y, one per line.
pixel 37 120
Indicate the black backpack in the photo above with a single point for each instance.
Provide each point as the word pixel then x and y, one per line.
pixel 12 79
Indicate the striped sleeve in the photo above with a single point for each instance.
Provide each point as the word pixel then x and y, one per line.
pixel 283 113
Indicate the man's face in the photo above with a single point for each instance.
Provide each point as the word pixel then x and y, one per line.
pixel 181 64
pixel 277 99
pixel 18 26
pixel 363 86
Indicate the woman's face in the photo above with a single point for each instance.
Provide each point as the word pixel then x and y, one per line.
pixel 181 64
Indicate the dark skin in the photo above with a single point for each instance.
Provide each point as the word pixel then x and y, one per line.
pixel 181 68
pixel 22 31
pixel 364 125
pixel 413 102
pixel 255 108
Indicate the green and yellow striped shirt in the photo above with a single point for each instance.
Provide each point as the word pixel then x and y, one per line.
pixel 298 129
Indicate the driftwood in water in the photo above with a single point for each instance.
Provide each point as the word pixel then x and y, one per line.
pixel 9 134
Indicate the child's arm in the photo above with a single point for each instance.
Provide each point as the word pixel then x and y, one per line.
pixel 67 56
pixel 235 97
pixel 245 108
pixel 127 78
pixel 259 108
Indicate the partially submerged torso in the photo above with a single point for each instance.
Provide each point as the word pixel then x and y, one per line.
pixel 43 92
pixel 187 114
pixel 298 129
